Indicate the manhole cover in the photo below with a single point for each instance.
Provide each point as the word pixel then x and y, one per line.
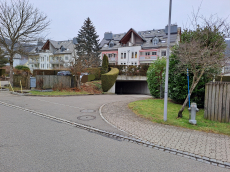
pixel 86 117
pixel 88 110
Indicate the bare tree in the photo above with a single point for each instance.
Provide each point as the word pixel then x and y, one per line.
pixel 202 50
pixel 20 24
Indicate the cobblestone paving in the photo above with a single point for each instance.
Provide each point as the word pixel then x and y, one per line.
pixel 213 146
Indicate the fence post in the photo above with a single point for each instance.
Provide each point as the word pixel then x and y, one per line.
pixel 220 102
pixel 213 101
pixel 209 101
pixel 206 102
pixel 217 101
pixel 224 102
pixel 227 103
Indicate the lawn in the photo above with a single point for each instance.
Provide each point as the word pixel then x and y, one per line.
pixel 153 109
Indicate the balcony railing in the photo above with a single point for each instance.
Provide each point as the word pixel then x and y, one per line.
pixel 112 59
pixel 33 62
pixel 56 62
pixel 148 58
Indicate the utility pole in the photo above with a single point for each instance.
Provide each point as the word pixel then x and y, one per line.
pixel 167 64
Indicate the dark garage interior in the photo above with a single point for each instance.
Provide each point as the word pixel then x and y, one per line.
pixel 131 87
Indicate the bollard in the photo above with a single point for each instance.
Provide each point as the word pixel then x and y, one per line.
pixel 192 113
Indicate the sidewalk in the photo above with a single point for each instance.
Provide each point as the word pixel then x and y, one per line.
pixel 213 146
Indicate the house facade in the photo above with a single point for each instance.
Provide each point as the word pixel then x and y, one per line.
pixel 52 55
pixel 138 48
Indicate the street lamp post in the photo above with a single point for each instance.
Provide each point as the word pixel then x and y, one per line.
pixel 167 64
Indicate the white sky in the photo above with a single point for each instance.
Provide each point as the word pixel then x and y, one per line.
pixel 118 16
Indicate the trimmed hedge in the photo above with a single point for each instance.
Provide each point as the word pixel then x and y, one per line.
pixel 108 79
pixel 132 70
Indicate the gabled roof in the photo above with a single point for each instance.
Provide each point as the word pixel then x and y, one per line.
pixel 127 36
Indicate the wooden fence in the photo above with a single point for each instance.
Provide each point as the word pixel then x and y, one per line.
pixel 25 81
pixel 53 81
pixel 217 101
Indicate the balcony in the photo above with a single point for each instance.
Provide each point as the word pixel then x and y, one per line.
pixel 112 59
pixel 33 61
pixel 143 58
pixel 56 62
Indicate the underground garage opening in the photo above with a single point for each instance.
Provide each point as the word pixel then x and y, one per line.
pixel 132 87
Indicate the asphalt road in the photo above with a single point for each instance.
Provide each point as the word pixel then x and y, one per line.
pixel 32 143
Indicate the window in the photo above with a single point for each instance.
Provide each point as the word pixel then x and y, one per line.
pixel 47 58
pixel 147 53
pixel 122 55
pixel 155 41
pixel 163 53
pixel 43 66
pixel 114 55
pixel 124 63
pixel 154 53
pixel 43 59
pixel 66 58
pixel 110 55
pixel 32 65
pixel 121 63
pixel 135 63
pixel 132 63
pixel 135 54
pixel 132 55
pixel 47 66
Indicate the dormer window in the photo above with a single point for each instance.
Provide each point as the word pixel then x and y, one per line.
pixel 155 41
pixel 111 44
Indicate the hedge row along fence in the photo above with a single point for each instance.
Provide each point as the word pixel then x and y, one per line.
pixel 108 79
pixel 94 71
pixel 139 70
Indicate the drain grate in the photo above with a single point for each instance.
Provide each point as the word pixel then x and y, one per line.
pixel 86 117
pixel 88 110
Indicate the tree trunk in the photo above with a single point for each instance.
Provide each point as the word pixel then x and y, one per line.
pixel 186 100
pixel 11 72
pixel 78 82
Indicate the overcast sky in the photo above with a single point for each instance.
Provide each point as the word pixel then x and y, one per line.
pixel 118 16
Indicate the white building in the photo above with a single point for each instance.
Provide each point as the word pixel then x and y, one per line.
pixel 137 48
pixel 52 55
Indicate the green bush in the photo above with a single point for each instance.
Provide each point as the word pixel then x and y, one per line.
pixel 105 64
pixel 108 79
pixel 21 67
pixel 96 72
pixel 155 77
pixel 178 85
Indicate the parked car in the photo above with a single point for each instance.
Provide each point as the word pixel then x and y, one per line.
pixel 64 73
pixel 82 74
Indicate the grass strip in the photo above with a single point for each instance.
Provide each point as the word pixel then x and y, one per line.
pixel 153 109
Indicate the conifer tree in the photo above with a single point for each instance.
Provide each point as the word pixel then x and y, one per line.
pixel 105 64
pixel 88 45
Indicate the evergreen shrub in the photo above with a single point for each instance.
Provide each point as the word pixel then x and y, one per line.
pixel 155 77
pixel 178 85
pixel 108 79
pixel 105 64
